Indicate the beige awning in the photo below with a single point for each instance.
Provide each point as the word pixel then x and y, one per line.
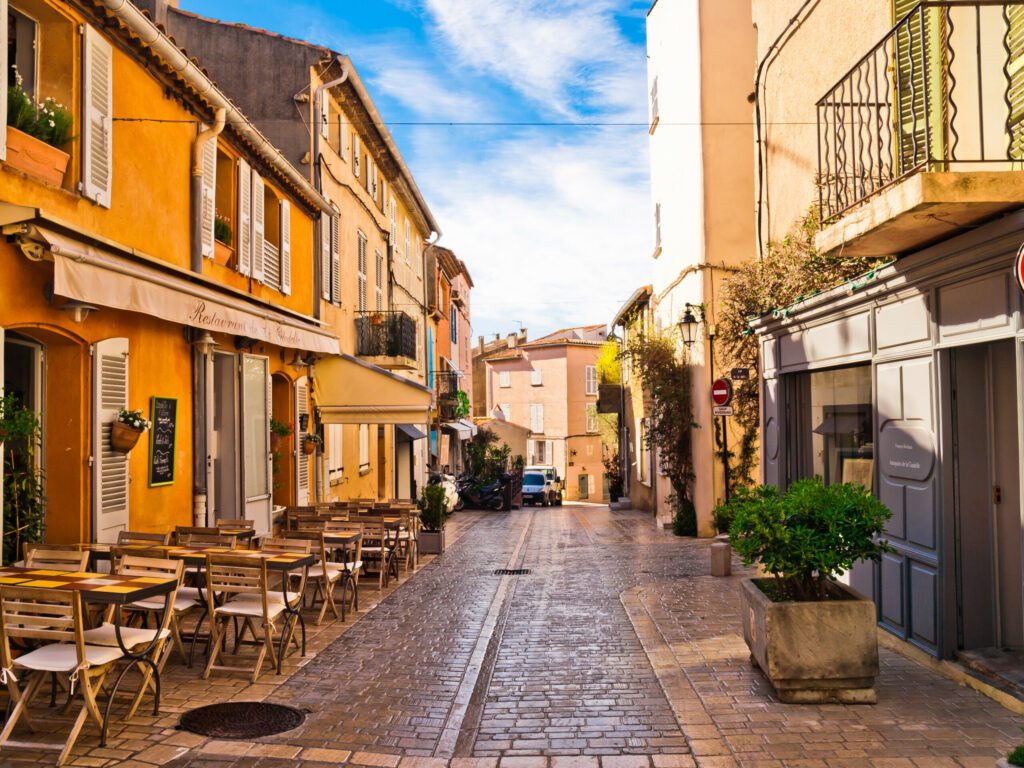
pixel 347 390
pixel 97 276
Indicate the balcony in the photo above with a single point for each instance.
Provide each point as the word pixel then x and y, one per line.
pixel 924 136
pixel 448 401
pixel 387 339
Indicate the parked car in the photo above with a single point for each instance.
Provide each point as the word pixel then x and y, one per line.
pixel 538 489
pixel 551 475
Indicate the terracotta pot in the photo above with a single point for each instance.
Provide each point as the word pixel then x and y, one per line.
pixel 308 447
pixel 223 254
pixel 123 437
pixel 276 440
pixel 35 157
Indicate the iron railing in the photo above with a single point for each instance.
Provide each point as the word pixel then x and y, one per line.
pixel 447 385
pixel 944 90
pixel 385 334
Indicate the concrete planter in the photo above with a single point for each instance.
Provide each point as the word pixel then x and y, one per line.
pixel 430 542
pixel 813 652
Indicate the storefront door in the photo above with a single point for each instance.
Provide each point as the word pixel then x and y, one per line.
pixel 224 440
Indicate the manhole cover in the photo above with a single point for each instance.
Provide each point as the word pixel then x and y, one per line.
pixel 512 572
pixel 241 720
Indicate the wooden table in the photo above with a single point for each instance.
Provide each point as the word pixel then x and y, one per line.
pixel 109 589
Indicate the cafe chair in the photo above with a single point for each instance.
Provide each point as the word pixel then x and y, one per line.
pixel 50 558
pixel 55 617
pixel 326 573
pixel 234 523
pixel 138 538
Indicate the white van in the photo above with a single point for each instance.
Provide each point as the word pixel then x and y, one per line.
pixel 551 475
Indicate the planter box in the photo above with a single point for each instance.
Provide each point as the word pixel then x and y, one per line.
pixel 35 157
pixel 223 254
pixel 813 652
pixel 430 542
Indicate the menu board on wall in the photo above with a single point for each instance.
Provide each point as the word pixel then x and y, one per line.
pixel 162 437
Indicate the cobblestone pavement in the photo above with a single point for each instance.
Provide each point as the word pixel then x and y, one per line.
pixel 617 650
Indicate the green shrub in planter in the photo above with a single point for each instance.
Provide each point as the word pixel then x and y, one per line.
pixel 433 506
pixel 807 536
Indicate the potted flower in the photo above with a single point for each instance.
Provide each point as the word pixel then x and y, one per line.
pixel 434 512
pixel 310 442
pixel 36 134
pixel 127 429
pixel 279 431
pixel 814 638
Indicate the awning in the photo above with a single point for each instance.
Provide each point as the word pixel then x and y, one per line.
pixel 347 390
pixel 410 431
pixel 95 275
pixel 464 429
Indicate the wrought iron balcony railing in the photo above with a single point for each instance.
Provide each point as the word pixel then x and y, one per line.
pixel 447 385
pixel 943 91
pixel 385 334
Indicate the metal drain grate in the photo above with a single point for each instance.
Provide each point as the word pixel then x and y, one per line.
pixel 241 720
pixel 512 572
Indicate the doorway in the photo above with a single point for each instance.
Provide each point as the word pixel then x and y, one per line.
pixel 224 442
pixel 986 503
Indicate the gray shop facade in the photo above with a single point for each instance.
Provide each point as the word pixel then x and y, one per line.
pixel 909 381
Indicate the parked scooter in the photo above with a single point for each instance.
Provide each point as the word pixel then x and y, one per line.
pixel 452 496
pixel 491 496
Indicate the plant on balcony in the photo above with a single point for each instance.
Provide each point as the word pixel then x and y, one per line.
pixel 462 407
pixel 222 229
pixel 36 132
pixel 23 501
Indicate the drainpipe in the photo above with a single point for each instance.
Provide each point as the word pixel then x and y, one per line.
pixel 318 94
pixel 210 134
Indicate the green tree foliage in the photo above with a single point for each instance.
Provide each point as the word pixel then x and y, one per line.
pixel 808 535
pixel 609 371
pixel 486 463
pixel 24 505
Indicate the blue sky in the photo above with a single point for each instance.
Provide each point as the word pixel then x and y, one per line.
pixel 554 222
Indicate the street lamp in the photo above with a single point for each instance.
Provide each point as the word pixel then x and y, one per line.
pixel 688 326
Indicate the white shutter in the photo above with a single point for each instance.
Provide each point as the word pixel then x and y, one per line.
pixel 301 459
pixel 286 247
pixel 257 226
pixel 364 445
pixel 535 376
pixel 325 116
pixel 336 259
pixel 109 468
pixel 209 195
pixel 361 270
pixel 357 159
pixel 394 225
pixel 243 241
pixel 407 241
pixel 4 69
pixel 325 256
pixel 379 286
pixel 97 108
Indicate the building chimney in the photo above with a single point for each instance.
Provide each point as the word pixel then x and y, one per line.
pixel 513 339
pixel 480 340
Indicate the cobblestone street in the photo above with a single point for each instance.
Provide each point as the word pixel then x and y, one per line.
pixel 617 647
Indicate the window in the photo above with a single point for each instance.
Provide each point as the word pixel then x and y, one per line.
pixel 330 257
pixel 379 285
pixel 643 452
pixel 364 448
pixel 831 428
pixel 408 240
pixel 591 379
pixel 357 157
pixel 537 418
pixel 22 44
pixel 504 379
pixel 657 229
pixel 591 411
pixel 535 377
pixel 335 447
pixel 362 272
pixel 419 259
pixel 538 452
pixel 394 225
pixel 506 409
pixel 453 322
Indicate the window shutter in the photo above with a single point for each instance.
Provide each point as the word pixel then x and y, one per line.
pixel 342 136
pixel 257 226
pixel 407 241
pixel 379 287
pixel 357 160
pixel 364 445
pixel 1015 93
pixel 286 247
pixel 110 467
pixel 336 259
pixel 362 272
pixel 325 116
pixel 535 377
pixel 209 195
pixel 97 108
pixel 301 459
pixel 325 256
pixel 394 225
pixel 4 69
pixel 243 242
pixel 918 109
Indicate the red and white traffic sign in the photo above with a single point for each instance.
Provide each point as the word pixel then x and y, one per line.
pixel 1018 268
pixel 721 391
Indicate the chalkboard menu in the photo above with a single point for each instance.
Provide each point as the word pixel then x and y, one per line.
pixel 162 436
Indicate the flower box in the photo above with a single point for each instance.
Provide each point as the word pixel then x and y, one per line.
pixel 35 157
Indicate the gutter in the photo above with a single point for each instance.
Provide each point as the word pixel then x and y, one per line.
pixel 150 36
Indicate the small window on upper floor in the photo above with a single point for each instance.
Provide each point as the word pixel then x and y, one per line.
pixel 535 377
pixel 504 379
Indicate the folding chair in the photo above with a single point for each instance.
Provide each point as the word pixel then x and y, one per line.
pixel 138 538
pixel 229 522
pixel 325 574
pixel 379 546
pixel 55 616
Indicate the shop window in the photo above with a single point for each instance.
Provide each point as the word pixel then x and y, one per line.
pixel 830 420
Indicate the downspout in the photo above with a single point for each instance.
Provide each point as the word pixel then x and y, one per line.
pixel 318 94
pixel 209 134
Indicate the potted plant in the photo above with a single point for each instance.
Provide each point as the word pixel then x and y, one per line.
pixel 23 501
pixel 814 638
pixel 36 133
pixel 279 431
pixel 434 512
pixel 127 429
pixel 310 442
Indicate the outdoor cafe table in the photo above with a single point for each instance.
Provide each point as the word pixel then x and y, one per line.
pixel 108 589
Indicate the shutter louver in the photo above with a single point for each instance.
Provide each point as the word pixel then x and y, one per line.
pixel 4 70
pixel 336 259
pixel 1015 93
pixel 110 467
pixel 243 243
pixel 920 115
pixel 379 287
pixel 209 196
pixel 325 257
pixel 258 213
pixel 286 247
pixel 301 459
pixel 357 160
pixel 362 272
pixel 97 108
pixel 342 137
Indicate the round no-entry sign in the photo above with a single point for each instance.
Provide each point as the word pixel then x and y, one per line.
pixel 721 391
pixel 1018 268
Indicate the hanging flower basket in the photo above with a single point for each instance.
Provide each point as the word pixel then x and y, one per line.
pixel 123 438
pixel 309 444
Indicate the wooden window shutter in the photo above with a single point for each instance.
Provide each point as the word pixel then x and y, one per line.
pixel 209 196
pixel 342 136
pixel 379 286
pixel 97 126
pixel 301 459
pixel 336 259
pixel 325 116
pixel 325 256
pixel 258 213
pixel 407 241
pixel 243 241
pixel 921 115
pixel 357 159
pixel 394 225
pixel 109 467
pixel 4 69
pixel 1015 93
pixel 362 272
pixel 286 247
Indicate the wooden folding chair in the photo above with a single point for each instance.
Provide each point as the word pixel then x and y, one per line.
pixel 379 546
pixel 325 574
pixel 55 559
pixel 137 538
pixel 228 522
pixel 189 536
pixel 54 616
